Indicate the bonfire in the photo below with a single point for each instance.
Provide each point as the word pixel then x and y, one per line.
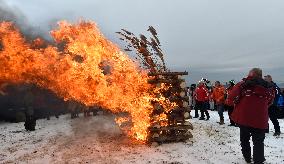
pixel 82 65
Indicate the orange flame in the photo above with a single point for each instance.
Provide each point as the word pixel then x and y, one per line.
pixel 104 76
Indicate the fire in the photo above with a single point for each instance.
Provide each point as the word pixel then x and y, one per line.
pixel 89 69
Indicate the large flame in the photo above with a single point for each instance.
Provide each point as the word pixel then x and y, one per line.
pixel 103 76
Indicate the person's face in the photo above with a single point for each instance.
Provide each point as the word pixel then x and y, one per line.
pixel 268 79
pixel 251 74
pixel 217 84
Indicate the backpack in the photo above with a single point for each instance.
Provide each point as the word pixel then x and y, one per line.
pixel 280 102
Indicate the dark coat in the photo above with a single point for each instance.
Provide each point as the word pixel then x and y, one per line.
pixel 252 97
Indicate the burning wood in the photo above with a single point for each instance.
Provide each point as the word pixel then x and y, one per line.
pixel 176 126
pixel 169 119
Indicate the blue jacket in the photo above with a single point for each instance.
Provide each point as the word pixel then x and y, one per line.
pixel 277 94
pixel 281 101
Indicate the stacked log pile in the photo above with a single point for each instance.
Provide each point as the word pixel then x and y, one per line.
pixel 177 125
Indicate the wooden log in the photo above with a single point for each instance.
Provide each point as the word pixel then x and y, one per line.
pixel 185 104
pixel 158 85
pixel 186 115
pixel 189 134
pixel 175 98
pixel 157 126
pixel 172 138
pixel 174 89
pixel 178 110
pixel 159 95
pixel 168 73
pixel 182 85
pixel 157 106
pixel 176 116
pixel 169 81
pixel 186 123
pixel 171 127
pixel 180 76
pixel 182 94
pixel 155 135
pixel 154 144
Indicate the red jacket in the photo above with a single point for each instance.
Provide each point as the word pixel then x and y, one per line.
pixel 252 97
pixel 201 93
pixel 228 101
pixel 218 94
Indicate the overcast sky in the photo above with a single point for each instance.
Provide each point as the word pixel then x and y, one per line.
pixel 217 39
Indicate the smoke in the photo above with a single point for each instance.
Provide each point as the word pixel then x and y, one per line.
pixel 14 14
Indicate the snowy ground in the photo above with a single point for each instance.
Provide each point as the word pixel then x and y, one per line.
pixel 99 140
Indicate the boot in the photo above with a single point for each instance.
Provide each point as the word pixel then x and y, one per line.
pixel 201 118
pixel 208 117
pixel 221 121
pixel 248 160
pixel 276 134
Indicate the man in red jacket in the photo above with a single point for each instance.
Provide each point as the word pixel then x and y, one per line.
pixel 229 105
pixel 252 97
pixel 202 99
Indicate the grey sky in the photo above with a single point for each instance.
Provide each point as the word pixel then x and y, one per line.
pixel 218 39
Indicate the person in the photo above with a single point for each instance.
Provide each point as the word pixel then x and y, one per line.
pixel 211 101
pixel 73 107
pixel 281 100
pixel 202 100
pixel 192 99
pixel 30 121
pixel 2 89
pixel 87 111
pixel 229 105
pixel 252 97
pixel 218 96
pixel 273 109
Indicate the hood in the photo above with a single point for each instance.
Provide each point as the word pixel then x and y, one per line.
pixel 253 81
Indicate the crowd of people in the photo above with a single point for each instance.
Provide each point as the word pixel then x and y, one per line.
pixel 250 103
pixel 204 97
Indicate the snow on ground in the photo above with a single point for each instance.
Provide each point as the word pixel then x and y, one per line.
pixel 99 140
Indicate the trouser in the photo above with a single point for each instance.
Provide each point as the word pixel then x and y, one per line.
pixel 211 103
pixel 204 110
pixel 272 112
pixel 220 108
pixel 30 123
pixel 230 111
pixel 258 136
pixel 198 106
